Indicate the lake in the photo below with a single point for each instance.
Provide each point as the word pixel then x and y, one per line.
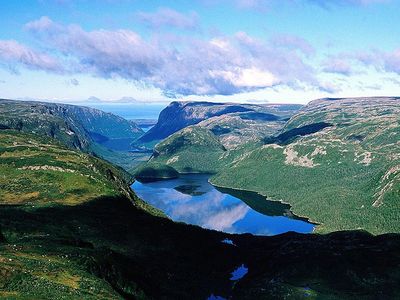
pixel 192 199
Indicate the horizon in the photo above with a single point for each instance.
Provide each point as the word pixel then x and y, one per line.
pixel 157 52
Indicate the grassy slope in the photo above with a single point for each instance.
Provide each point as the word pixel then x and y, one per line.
pixel 191 150
pixel 75 126
pixel 43 172
pixel 37 173
pixel 53 246
pixel 345 176
pixel 70 228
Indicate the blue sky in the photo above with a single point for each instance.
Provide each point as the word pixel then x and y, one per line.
pixel 218 50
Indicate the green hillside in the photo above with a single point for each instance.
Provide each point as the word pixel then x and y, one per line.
pixel 36 118
pixel 77 127
pixel 71 229
pixel 336 161
pixel 67 123
pixel 45 172
pixel 193 149
pixel 204 136
pixel 39 174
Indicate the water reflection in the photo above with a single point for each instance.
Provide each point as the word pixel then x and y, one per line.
pixel 239 273
pixel 191 199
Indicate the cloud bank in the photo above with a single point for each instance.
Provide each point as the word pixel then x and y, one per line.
pixel 222 65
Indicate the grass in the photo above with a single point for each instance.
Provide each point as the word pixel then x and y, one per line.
pixel 34 171
pixel 191 150
pixel 33 273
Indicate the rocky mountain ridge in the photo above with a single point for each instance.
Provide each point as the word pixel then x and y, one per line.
pixel 178 115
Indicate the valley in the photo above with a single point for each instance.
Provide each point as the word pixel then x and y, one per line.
pixel 335 161
pixel 70 226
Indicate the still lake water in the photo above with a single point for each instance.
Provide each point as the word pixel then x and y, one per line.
pixel 191 199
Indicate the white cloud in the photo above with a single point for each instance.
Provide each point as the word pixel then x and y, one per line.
pixel 12 52
pixel 250 78
pixel 225 65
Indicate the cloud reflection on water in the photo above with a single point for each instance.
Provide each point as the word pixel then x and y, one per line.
pixel 212 209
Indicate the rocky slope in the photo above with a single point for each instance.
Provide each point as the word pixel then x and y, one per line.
pixel 236 129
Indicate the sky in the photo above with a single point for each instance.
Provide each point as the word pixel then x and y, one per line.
pixel 256 51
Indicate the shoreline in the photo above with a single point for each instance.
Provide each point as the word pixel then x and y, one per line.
pixel 268 199
pixel 306 219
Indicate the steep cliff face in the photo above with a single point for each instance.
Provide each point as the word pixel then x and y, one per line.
pixel 179 115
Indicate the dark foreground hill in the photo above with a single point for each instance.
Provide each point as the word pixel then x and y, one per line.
pixel 71 229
